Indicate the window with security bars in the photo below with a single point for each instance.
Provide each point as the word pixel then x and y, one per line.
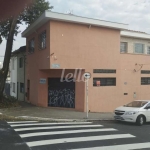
pixel 14 88
pixel 21 87
pixel 148 50
pixel 145 81
pixel 42 40
pixel 139 48
pixel 13 64
pixel 123 47
pixel 104 81
pixel 31 46
pixel 145 71
pixel 104 71
pixel 21 62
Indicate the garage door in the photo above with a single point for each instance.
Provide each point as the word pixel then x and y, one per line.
pixel 61 94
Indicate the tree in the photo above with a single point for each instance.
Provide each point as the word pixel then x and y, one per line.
pixel 10 28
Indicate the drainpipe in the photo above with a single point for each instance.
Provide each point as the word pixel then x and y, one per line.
pixel 24 77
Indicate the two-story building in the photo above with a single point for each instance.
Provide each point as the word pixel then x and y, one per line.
pixel 17 73
pixel 61 48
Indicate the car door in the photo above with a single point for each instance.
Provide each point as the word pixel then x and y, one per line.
pixel 147 112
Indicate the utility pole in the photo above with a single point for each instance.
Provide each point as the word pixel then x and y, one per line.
pixel 87 76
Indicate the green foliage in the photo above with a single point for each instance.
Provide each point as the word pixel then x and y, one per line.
pixel 8 102
pixel 5 28
pixel 29 15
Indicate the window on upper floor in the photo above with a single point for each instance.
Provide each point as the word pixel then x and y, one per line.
pixel 123 47
pixel 31 46
pixel 145 81
pixel 104 81
pixel 21 62
pixel 148 50
pixel 42 40
pixel 104 71
pixel 13 65
pixel 139 48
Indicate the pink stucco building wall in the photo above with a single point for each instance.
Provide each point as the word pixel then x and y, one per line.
pixel 78 46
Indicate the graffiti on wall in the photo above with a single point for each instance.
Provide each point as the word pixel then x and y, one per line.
pixel 62 98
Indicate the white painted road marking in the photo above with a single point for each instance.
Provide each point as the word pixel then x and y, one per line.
pixel 78 139
pixel 119 147
pixel 57 127
pixel 21 122
pixel 37 124
pixel 65 132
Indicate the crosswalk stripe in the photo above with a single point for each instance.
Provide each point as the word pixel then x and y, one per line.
pixel 65 132
pixel 21 122
pixel 78 139
pixel 37 124
pixel 56 127
pixel 119 147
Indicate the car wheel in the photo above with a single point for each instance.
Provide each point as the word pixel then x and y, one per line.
pixel 140 120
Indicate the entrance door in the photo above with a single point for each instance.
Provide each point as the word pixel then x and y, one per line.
pixel 61 94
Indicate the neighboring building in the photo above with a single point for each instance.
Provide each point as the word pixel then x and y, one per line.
pixel 78 45
pixel 17 73
pixel 1 65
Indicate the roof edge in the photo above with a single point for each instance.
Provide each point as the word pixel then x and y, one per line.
pixel 48 15
pixel 135 34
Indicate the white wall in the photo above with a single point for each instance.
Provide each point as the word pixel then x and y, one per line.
pixel 131 43
pixel 1 64
pixel 13 76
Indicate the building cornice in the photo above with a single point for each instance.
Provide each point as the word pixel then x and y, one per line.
pixel 139 35
pixel 48 15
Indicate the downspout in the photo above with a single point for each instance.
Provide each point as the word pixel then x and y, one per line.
pixel 24 78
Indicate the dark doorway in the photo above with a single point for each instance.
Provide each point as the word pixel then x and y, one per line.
pixel 61 94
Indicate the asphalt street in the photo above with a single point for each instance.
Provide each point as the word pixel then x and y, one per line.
pixel 107 135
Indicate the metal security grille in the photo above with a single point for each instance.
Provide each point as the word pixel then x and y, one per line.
pixel 21 62
pixel 42 40
pixel 145 71
pixel 139 48
pixel 105 81
pixel 104 71
pixel 148 50
pixel 123 47
pixel 145 81
pixel 61 94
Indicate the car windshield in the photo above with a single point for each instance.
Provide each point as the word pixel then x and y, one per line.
pixel 136 104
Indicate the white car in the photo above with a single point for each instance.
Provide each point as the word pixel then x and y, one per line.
pixel 137 112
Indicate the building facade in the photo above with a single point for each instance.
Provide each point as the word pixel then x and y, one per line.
pixel 61 48
pixel 17 74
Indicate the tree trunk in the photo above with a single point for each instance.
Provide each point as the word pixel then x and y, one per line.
pixel 9 44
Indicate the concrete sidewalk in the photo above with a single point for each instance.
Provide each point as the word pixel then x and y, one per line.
pixel 28 111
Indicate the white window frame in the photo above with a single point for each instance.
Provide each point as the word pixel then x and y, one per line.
pixel 126 47
pixel 148 49
pixel 143 48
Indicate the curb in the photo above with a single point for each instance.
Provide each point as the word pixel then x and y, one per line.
pixel 52 119
pixel 60 120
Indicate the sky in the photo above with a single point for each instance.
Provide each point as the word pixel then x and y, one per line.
pixel 136 13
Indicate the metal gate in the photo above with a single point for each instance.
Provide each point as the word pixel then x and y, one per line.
pixel 61 94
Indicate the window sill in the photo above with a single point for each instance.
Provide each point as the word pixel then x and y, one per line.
pixel 136 54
